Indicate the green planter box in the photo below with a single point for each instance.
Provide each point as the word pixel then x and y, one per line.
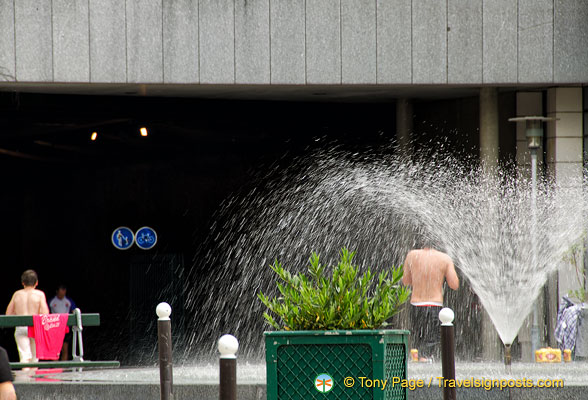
pixel 295 360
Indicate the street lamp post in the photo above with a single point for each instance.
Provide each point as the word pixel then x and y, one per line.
pixel 534 135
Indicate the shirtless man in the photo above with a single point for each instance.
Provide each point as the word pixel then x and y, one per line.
pixel 425 270
pixel 27 301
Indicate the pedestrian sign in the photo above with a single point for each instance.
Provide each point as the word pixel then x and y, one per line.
pixel 146 238
pixel 123 238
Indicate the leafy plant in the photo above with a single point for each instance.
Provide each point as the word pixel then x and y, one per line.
pixel 574 256
pixel 343 300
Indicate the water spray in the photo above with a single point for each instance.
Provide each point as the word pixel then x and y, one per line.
pixel 377 205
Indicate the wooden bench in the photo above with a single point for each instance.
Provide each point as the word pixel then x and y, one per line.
pixel 77 321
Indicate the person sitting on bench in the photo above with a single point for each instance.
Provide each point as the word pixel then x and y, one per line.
pixel 27 301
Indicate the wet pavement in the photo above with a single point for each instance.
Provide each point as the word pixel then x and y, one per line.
pixel 201 382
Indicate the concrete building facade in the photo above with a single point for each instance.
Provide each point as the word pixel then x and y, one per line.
pixel 340 50
pixel 294 42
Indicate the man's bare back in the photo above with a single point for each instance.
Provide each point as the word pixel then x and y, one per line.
pixel 27 301
pixel 425 271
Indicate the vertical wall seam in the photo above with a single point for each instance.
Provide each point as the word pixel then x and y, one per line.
pixel 234 44
pixel 162 48
pixel 340 43
pixel 269 40
pixel 52 46
pixel 553 42
pixel 376 25
pixel 517 37
pixel 14 35
pixel 447 41
pixel 126 47
pixel 89 47
pixel 411 44
pixel 305 48
pixel 482 43
pixel 198 39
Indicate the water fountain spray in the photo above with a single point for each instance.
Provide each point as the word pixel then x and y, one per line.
pixel 376 205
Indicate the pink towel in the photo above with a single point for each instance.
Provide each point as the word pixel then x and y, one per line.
pixel 49 331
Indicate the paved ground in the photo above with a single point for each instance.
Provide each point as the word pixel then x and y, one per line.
pixel 201 382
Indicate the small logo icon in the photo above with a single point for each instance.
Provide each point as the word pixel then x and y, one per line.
pixel 122 238
pixel 145 238
pixel 323 383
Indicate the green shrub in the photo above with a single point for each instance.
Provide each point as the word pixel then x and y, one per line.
pixel 344 300
pixel 575 257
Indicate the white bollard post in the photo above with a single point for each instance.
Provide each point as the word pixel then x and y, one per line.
pixel 228 346
pixel 164 340
pixel 447 351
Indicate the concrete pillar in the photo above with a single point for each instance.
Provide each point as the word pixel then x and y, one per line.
pixel 489 128
pixel 404 125
pixel 564 156
pixel 528 104
pixel 491 344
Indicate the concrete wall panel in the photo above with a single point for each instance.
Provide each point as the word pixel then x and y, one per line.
pixel 217 41
pixel 564 149
pixel 144 41
pixel 535 54
pixel 34 42
pixel 570 41
pixel 464 41
pixel 288 48
pixel 71 41
pixel 565 99
pixel 7 72
pixel 394 48
pixel 295 41
pixel 252 41
pixel 499 41
pixel 358 41
pixel 323 41
pixel 108 43
pixel 429 41
pixel 180 41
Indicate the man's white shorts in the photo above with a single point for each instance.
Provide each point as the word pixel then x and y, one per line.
pixel 27 350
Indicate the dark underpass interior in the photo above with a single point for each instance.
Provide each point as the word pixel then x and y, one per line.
pixel 63 193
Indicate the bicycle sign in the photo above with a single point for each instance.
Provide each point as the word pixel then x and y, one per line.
pixel 145 238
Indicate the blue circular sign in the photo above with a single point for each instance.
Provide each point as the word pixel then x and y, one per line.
pixel 122 238
pixel 145 238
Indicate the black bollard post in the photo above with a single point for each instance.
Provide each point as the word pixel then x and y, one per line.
pixel 164 338
pixel 228 346
pixel 447 353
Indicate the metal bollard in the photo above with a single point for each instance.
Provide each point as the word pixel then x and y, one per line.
pixel 77 350
pixel 228 346
pixel 164 341
pixel 447 352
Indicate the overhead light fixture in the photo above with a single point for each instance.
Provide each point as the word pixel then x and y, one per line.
pixel 533 129
pixel 94 136
pixel 143 131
